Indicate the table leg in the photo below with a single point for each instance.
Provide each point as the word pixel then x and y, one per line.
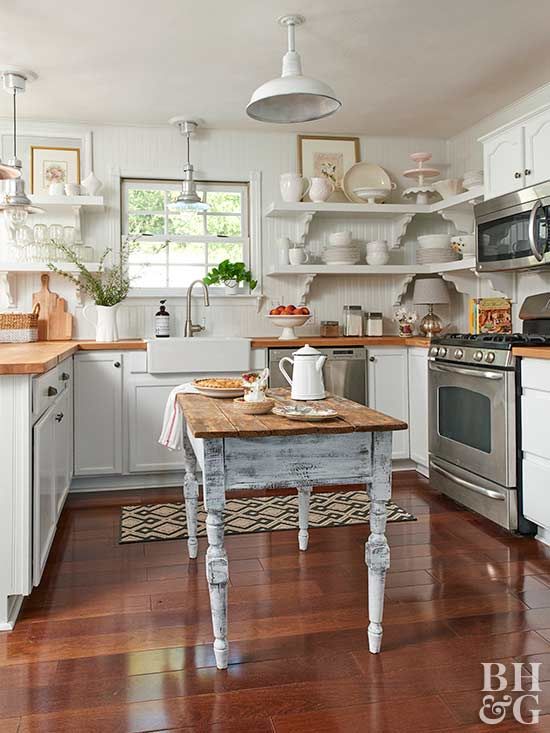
pixel 377 551
pixel 217 570
pixel 304 495
pixel 191 494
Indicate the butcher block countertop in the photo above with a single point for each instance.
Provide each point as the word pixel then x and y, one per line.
pixel 532 352
pixel 273 342
pixel 210 417
pixel 40 356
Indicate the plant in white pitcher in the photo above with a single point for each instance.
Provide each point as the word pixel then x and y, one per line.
pixel 108 287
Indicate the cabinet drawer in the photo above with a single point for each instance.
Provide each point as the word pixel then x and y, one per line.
pixel 535 407
pixel 535 374
pixel 45 389
pixel 536 490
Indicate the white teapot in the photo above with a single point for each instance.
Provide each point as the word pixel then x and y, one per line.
pixel 307 376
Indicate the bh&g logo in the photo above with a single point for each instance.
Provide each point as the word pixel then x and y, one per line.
pixel 526 682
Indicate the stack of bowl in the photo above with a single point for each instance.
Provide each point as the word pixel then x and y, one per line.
pixel 377 252
pixel 435 248
pixel 341 250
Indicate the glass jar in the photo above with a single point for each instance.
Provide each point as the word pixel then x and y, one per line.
pixel 375 323
pixel 69 235
pixel 353 320
pixel 330 329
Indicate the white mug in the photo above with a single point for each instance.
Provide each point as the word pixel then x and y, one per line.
pixel 56 189
pixel 320 189
pixel 298 256
pixel 283 245
pixel 293 187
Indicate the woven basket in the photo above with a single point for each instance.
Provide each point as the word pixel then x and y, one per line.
pixel 254 408
pixel 19 327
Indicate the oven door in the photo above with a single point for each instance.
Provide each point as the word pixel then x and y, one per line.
pixel 472 420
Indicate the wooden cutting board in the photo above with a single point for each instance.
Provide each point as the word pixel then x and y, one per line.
pixel 54 323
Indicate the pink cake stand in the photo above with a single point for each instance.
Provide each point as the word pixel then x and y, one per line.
pixel 422 191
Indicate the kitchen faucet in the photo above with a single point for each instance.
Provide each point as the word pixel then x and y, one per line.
pixel 190 327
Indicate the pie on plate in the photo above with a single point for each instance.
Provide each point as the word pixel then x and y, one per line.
pixel 219 386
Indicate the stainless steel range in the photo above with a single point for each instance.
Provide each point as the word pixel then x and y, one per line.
pixel 474 416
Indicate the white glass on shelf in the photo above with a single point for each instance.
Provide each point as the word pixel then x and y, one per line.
pixel 69 235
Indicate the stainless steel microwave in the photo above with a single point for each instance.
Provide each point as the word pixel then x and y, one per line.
pixel 512 231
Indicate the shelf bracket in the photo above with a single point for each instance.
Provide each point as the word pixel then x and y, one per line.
pixel 302 227
pixel 7 287
pixel 399 227
pixel 303 294
pixel 77 211
pixel 401 288
pixel 505 284
pixel 461 216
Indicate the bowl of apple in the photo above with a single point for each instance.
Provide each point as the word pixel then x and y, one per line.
pixel 288 317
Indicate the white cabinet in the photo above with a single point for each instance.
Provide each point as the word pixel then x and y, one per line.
pixel 418 405
pixel 98 413
pixel 63 436
pixel 517 155
pixel 388 390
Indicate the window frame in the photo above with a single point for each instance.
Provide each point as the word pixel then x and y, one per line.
pixel 170 184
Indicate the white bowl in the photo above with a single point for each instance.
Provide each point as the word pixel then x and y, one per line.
pixel 372 195
pixel 449 187
pixel 288 324
pixel 434 241
pixel 340 238
pixel 377 245
pixel 377 258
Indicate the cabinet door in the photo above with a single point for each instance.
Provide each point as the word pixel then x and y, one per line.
pixel 504 162
pixel 98 413
pixel 388 390
pixel 63 439
pixel 537 149
pixel 44 514
pixel 418 405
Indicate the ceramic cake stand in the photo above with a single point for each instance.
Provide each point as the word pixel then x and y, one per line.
pixel 422 191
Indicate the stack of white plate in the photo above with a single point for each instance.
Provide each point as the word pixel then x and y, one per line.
pixel 346 254
pixel 428 256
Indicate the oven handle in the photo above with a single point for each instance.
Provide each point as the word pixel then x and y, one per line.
pixel 466 484
pixel 532 217
pixel 466 372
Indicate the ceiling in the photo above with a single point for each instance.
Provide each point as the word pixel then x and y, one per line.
pixel 401 67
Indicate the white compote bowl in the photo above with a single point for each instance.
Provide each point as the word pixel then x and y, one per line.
pixel 288 324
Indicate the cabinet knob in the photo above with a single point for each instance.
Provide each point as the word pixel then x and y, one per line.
pixel 65 377
pixel 52 391
pixel 117 364
pixel 59 417
pixel 517 174
pixel 372 358
pixel 527 171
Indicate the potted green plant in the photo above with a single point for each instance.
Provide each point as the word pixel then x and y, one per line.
pixel 107 287
pixel 230 274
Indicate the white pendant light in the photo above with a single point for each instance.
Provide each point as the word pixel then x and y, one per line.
pixel 293 97
pixel 16 204
pixel 188 199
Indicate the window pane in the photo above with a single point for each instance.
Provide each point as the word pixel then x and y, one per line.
pixel 148 252
pixel 224 201
pixel 190 252
pixel 145 224
pixel 229 226
pixel 145 200
pixel 188 222
pixel 152 276
pixel 180 276
pixel 226 251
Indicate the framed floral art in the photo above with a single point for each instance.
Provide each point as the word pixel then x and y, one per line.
pixel 327 156
pixel 53 165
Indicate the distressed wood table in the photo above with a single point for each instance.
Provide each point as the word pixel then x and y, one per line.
pixel 237 451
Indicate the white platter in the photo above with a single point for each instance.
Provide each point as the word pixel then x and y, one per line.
pixel 316 416
pixel 365 175
pixel 218 392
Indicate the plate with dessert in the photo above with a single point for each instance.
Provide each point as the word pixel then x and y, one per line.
pixel 222 387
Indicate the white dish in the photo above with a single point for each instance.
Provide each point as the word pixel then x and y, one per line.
pixel 377 258
pixel 305 414
pixel 365 175
pixel 340 238
pixel 372 195
pixel 449 187
pixel 218 392
pixel 434 241
pixel 288 324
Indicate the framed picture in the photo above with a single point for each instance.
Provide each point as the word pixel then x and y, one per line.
pixel 322 155
pixel 53 165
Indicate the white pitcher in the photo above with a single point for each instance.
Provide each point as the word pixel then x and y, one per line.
pixel 293 187
pixel 321 188
pixel 104 322
pixel 307 376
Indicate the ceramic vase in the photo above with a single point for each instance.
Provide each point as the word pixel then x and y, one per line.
pixel 321 188
pixel 104 321
pixel 91 184
pixel 405 330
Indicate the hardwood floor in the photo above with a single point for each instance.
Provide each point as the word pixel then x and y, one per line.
pixel 117 639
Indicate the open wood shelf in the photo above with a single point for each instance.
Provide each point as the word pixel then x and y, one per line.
pixel 283 270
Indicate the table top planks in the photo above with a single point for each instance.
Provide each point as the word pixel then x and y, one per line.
pixel 209 417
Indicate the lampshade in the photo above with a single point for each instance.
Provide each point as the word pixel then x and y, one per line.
pixel 292 97
pixel 430 290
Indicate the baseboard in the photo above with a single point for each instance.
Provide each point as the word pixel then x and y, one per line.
pixel 14 606
pixel 120 483
pixel 543 535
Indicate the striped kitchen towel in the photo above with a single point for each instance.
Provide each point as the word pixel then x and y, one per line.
pixel 172 423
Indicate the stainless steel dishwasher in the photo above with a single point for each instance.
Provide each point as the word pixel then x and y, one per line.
pixel 344 372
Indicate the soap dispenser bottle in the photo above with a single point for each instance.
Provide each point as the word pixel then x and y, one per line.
pixel 162 322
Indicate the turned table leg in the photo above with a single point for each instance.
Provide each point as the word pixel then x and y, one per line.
pixel 304 495
pixel 191 494
pixel 377 551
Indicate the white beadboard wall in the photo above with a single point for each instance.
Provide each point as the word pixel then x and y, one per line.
pixel 232 155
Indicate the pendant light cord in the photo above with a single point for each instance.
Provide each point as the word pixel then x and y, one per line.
pixel 188 147
pixel 291 37
pixel 14 125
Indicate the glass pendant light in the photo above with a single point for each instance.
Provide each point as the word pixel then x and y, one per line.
pixel 293 97
pixel 188 199
pixel 16 204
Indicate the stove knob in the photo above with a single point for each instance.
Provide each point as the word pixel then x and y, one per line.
pixel 490 357
pixel 459 353
pixel 434 351
pixel 442 351
pixel 478 355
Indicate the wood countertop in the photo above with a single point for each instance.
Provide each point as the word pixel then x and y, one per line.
pixel 272 342
pixel 209 417
pixel 532 352
pixel 40 356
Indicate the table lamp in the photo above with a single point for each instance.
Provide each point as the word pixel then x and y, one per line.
pixel 427 291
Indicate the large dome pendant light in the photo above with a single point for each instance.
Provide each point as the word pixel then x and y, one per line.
pixel 16 204
pixel 293 97
pixel 188 199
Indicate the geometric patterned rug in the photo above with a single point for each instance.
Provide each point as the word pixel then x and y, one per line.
pixel 151 522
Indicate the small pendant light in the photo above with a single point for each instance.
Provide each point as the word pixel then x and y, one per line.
pixel 188 199
pixel 293 97
pixel 16 204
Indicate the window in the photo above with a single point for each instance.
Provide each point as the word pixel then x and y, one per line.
pixel 173 247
